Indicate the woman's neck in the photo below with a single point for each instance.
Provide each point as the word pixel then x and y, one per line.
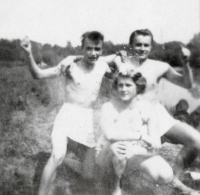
pixel 124 105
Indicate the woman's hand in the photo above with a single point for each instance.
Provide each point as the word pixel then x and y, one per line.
pixel 119 148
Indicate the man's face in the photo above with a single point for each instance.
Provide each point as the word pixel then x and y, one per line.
pixel 92 50
pixel 142 46
pixel 126 89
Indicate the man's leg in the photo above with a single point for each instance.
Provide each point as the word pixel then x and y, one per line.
pixel 110 169
pixel 156 170
pixel 88 164
pixel 182 133
pixel 84 165
pixel 59 144
pixel 161 172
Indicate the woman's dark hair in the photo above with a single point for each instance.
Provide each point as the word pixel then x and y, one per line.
pixel 137 78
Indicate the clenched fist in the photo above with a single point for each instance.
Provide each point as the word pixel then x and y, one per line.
pixel 26 45
pixel 185 54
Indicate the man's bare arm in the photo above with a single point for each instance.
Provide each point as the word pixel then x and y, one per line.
pixel 111 59
pixel 108 59
pixel 186 79
pixel 37 72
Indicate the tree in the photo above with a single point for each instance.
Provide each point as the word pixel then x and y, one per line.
pixel 194 46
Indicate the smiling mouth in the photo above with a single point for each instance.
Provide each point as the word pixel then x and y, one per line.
pixel 141 54
pixel 93 59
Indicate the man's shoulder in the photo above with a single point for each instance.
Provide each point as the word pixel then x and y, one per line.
pixel 158 62
pixel 102 63
pixel 64 61
pixel 107 106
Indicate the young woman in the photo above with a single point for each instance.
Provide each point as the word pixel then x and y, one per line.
pixel 130 134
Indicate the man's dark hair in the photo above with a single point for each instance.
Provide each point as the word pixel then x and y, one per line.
pixel 93 35
pixel 144 32
pixel 137 78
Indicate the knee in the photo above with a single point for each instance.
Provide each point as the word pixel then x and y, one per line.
pixel 159 170
pixel 166 175
pixel 57 158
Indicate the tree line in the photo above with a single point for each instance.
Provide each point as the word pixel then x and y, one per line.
pixel 169 52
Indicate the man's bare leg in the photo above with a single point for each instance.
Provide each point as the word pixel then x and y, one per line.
pixel 75 165
pixel 85 168
pixel 183 188
pixel 59 144
pixel 119 164
pixel 157 170
pixel 109 172
pixel 182 133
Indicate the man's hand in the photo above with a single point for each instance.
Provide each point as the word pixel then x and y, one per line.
pixel 67 62
pixel 123 55
pixel 185 54
pixel 26 45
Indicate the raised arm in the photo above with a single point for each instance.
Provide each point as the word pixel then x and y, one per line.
pixel 186 79
pixel 39 73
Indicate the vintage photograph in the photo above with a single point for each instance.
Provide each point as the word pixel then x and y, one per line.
pixel 100 97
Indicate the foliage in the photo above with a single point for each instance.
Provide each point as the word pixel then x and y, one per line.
pixel 194 46
pixel 169 52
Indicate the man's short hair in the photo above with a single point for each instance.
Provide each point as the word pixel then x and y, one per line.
pixel 93 35
pixel 137 78
pixel 144 32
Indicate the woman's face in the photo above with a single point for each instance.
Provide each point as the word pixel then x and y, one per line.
pixel 126 89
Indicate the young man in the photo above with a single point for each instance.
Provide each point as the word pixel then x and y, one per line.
pixel 74 120
pixel 141 43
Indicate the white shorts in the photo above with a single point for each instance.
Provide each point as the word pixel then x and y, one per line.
pixel 165 120
pixel 76 123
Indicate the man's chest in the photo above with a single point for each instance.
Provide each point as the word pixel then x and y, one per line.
pixel 151 74
pixel 82 78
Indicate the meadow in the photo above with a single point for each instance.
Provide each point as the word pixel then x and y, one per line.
pixel 28 108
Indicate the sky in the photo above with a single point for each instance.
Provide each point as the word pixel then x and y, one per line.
pixel 59 21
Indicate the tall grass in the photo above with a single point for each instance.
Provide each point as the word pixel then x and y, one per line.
pixel 20 97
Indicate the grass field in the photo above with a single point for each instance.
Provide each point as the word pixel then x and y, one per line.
pixel 28 108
